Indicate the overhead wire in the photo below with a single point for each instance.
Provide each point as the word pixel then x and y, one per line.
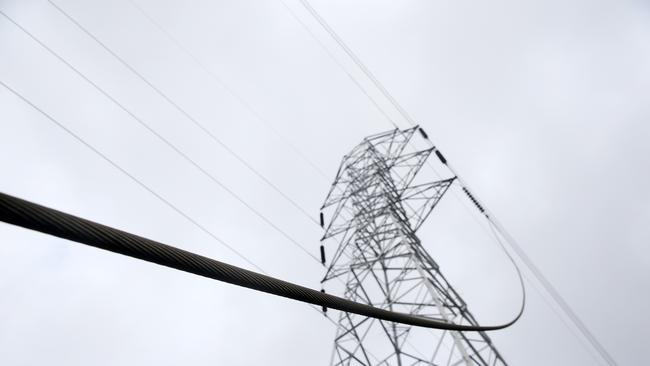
pixel 584 343
pixel 39 218
pixel 162 139
pixel 548 286
pixel 488 227
pixel 132 177
pixel 368 73
pixel 332 57
pixel 238 97
pixel 491 224
pixel 205 130
pixel 201 126
pixel 175 208
pixel 241 99
pixel 186 113
pixel 146 187
pixel 410 120
pixel 222 84
pixel 183 111
pixel 193 120
pixel 105 93
pixel 541 278
pixel 326 300
pixel 357 61
pixel 82 75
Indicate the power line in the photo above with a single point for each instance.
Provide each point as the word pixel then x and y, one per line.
pixel 164 140
pixel 410 120
pixel 312 219
pixel 241 99
pixel 379 248
pixel 363 68
pixel 221 83
pixel 153 192
pixel 557 297
pixel 130 176
pixel 226 87
pixel 368 73
pixel 332 57
pixel 522 305
pixel 76 70
pixel 541 278
pixel 518 249
pixel 94 231
pixel 246 104
pixel 199 124
pixel 140 183
pixel 35 217
pixel 357 61
pixel 185 113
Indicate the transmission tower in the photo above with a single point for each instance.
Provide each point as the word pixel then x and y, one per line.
pixel 375 209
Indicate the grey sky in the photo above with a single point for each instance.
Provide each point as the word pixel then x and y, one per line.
pixel 544 107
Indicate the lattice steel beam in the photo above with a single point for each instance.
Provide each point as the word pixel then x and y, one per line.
pixel 375 208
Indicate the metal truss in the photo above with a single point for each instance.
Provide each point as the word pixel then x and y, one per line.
pixel 375 209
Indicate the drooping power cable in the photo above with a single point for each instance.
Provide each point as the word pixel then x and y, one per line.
pixel 483 328
pixel 39 218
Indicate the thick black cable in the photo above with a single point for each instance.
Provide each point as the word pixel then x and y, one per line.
pixel 39 218
pixel 467 327
pixel 49 216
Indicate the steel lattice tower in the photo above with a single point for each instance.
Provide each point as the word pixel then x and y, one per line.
pixel 375 209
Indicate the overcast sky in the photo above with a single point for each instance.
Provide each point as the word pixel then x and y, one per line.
pixel 543 107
